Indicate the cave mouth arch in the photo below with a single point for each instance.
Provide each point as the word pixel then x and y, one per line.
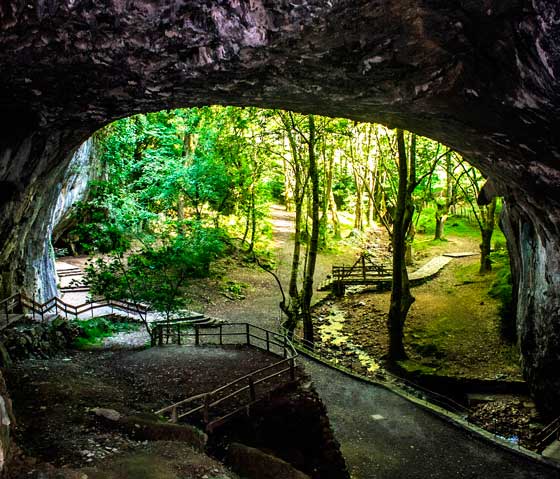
pixel 156 141
pixel 480 77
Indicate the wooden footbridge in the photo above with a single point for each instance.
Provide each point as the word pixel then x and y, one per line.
pixel 366 272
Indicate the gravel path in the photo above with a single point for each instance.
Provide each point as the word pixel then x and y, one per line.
pixel 384 436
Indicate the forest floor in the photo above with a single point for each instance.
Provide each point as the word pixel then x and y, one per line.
pixel 452 330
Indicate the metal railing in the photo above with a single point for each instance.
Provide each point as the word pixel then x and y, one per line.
pixel 215 407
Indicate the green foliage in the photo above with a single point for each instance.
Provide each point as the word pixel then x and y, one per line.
pixel 501 289
pixel 93 331
pixel 156 274
pixel 234 289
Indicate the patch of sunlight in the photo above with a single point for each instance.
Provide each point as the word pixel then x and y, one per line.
pixel 366 361
pixel 331 332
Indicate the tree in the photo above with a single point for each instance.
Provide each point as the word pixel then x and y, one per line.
pixel 401 297
pixel 483 211
pixel 157 274
pixel 314 239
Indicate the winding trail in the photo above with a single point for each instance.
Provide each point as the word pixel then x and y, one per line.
pixel 384 436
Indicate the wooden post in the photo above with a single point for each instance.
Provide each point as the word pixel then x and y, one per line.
pixel 285 347
pixel 363 267
pixel 292 369
pixel 267 341
pixel 160 334
pixel 221 339
pixel 179 334
pixel 252 392
pixel 196 336
pixel 247 334
pixel 7 314
pixel 174 415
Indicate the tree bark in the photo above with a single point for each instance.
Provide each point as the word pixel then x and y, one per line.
pixel 487 229
pixel 401 297
pixel 314 238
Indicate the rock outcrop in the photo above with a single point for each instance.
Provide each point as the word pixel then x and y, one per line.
pixel 478 75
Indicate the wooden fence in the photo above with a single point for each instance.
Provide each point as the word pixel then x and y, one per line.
pixel 548 435
pixel 213 408
pixel 15 308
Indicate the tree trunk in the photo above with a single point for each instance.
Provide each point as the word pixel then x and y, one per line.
pixel 253 221
pixel 486 231
pixel 292 311
pixel 401 297
pixel 358 222
pixel 442 210
pixel 440 222
pixel 409 255
pixel 314 238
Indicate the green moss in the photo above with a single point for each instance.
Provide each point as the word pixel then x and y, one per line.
pixel 414 367
pixel 501 289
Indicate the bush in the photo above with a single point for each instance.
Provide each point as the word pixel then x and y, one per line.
pixel 93 331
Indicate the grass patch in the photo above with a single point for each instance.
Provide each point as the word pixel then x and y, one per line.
pixel 93 331
pixel 414 367
pixel 234 289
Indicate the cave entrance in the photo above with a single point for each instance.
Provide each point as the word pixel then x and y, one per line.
pixel 195 172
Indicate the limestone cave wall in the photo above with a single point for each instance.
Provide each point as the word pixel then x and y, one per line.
pixel 478 75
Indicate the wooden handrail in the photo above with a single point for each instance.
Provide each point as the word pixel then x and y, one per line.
pixel 75 310
pixel 248 382
pixel 545 435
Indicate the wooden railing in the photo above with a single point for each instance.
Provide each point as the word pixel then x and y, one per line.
pixel 15 308
pixel 215 407
pixel 548 434
pixel 10 310
pixel 362 269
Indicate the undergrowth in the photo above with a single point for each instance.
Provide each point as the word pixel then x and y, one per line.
pixel 93 331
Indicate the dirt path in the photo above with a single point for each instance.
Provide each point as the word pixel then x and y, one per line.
pixel 260 306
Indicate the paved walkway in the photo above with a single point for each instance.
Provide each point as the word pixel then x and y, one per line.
pixel 384 436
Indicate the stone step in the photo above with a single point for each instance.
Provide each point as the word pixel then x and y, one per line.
pixel 64 274
pixel 75 289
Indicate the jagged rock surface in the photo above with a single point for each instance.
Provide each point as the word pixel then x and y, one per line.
pixel 478 75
